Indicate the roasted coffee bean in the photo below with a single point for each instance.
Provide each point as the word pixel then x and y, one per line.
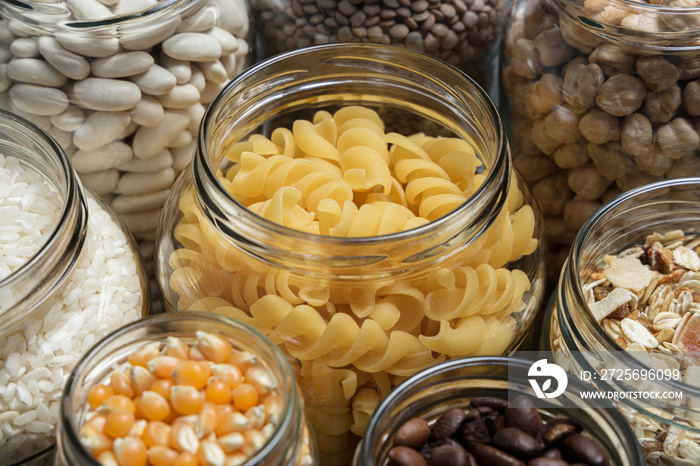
pixel 474 432
pixel 523 414
pixel 517 442
pixel 493 402
pixel 451 454
pixel 579 448
pixel 553 453
pixel 414 433
pixel 557 429
pixel 476 413
pixel 544 461
pixel 494 422
pixel 448 424
pixel 492 456
pixel 405 456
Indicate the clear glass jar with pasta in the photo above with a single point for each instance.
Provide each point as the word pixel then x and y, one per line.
pixel 357 205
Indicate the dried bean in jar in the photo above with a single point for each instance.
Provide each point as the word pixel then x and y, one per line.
pixel 493 432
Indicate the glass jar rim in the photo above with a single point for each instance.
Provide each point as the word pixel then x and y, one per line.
pixel 570 276
pixel 661 41
pixel 72 220
pixel 255 337
pixel 501 163
pixel 52 14
pixel 504 363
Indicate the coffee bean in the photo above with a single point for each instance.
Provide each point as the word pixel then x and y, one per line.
pixel 557 429
pixel 517 442
pixel 544 461
pixel 451 454
pixel 579 448
pixel 448 424
pixel 486 454
pixel 413 433
pixel 494 421
pixel 493 402
pixel 405 456
pixel 522 414
pixel 553 453
pixel 474 432
pixel 478 412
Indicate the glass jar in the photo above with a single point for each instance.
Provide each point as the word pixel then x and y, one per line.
pixel 453 384
pixel 291 443
pixel 357 314
pixel 668 429
pixel 84 278
pixel 122 86
pixel 603 98
pixel 465 34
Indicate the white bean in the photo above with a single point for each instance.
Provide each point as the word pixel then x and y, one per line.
pixel 182 140
pixel 87 44
pixel 143 37
pixel 88 9
pixel 148 142
pixel 129 204
pixel 155 164
pixel 214 71
pixel 109 156
pixel 107 94
pixel 34 71
pixel 122 64
pixel 182 70
pixel 5 81
pixel 155 81
pixel 70 64
pixel 99 129
pixel 102 182
pixel 142 183
pixel 69 120
pixel 142 221
pixel 192 46
pixel 182 156
pixel 229 43
pixel 202 20
pixel 24 48
pixel 148 112
pixel 180 97
pixel 38 100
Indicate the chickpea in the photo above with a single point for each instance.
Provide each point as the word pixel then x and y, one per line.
pixel 561 124
pixel 572 155
pixel 612 59
pixel 576 36
pixel 662 106
pixel 610 160
pixel 657 73
pixel 516 31
pixel 525 61
pixel 552 193
pixel 641 22
pixel 537 19
pixel 558 231
pixel 635 178
pixel 677 138
pixel 541 139
pixel 685 166
pixel 654 162
pixel 552 48
pixel 637 135
pixel 522 142
pixel 691 98
pixel 599 127
pixel 546 93
pixel 587 183
pixel 621 95
pixel 603 11
pixel 681 22
pixel 520 96
pixel 577 211
pixel 582 83
pixel 534 168
pixel 610 194
pixel 572 63
pixel 688 68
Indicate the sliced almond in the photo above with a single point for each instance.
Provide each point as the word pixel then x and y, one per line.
pixel 603 308
pixel 628 272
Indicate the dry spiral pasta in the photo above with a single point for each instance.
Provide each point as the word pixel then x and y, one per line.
pixel 342 175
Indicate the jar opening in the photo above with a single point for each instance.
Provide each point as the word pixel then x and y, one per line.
pixel 408 87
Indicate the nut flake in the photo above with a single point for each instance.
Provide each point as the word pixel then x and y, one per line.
pixel 629 272
pixel 616 298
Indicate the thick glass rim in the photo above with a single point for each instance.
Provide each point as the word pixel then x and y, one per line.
pixel 368 51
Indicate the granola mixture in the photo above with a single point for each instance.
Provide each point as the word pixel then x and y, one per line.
pixel 647 298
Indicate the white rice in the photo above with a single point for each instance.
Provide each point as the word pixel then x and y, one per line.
pixel 36 360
